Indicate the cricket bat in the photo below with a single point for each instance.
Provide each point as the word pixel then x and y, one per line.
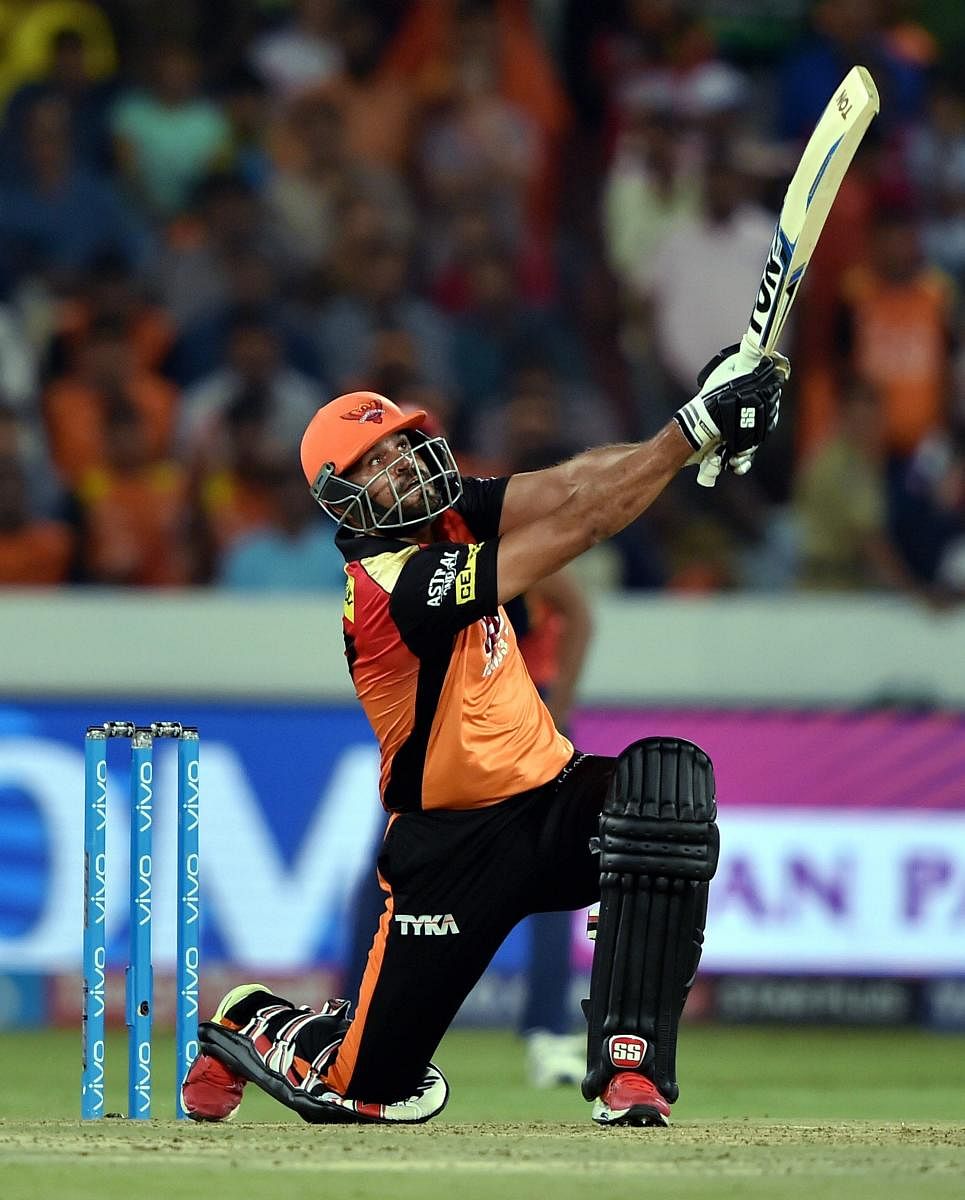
pixel 807 203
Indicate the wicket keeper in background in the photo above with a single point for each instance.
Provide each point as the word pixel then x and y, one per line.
pixel 493 813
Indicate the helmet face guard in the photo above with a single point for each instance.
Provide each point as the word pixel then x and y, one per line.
pixel 437 486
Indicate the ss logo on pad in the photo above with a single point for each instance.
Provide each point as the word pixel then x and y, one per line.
pixel 626 1051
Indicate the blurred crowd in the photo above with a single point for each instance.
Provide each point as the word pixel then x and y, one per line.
pixel 535 219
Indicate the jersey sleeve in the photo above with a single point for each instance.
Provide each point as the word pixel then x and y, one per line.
pixel 481 505
pixel 442 589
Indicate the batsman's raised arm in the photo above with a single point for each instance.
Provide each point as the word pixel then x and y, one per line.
pixel 551 517
pixel 595 495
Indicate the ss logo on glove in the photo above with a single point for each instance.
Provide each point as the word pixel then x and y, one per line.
pixel 747 418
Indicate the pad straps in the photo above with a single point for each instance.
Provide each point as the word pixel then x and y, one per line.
pixel 658 849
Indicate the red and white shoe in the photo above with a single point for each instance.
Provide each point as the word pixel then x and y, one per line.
pixel 631 1099
pixel 210 1091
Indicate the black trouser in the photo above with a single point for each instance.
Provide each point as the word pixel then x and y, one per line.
pixel 457 882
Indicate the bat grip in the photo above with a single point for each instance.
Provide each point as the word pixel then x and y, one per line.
pixel 709 469
pixel 750 353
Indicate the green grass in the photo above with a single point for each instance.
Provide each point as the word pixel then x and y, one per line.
pixel 765 1113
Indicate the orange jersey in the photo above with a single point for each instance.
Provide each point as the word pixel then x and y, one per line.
pixel 435 663
pixel 77 419
pixel 135 525
pixel 39 553
pixel 901 347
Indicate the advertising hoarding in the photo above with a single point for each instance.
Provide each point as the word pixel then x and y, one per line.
pixel 843 836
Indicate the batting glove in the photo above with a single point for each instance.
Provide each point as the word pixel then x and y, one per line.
pixel 734 361
pixel 736 414
pixel 731 365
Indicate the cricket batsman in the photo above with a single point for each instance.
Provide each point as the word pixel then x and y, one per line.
pixel 494 815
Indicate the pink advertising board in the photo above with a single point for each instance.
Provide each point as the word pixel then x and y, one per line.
pixel 828 759
pixel 842 836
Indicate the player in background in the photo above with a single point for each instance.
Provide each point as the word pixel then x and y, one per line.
pixel 494 814
pixel 554 649
pixel 554 635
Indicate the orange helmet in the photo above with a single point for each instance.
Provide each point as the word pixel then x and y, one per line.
pixel 342 430
pixel 340 434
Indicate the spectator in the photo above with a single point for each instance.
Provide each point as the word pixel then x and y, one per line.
pixel 106 382
pixel 304 196
pixel 244 101
pixel 702 264
pixel 544 416
pixel 361 224
pixel 10 431
pixel 928 512
pixel 379 296
pixel 713 100
pixel 302 53
pixel 497 335
pixel 647 190
pixel 235 494
pixel 503 43
pixel 841 505
pixel 191 271
pixel 29 29
pixel 18 362
pixel 60 218
pixel 679 311
pixel 895 330
pixel 22 437
pixel 481 144
pixel 296 553
pixel 936 156
pixel 110 292
pixel 254 379
pixel 32 551
pixel 67 78
pixel 380 111
pixel 845 32
pixel 132 512
pixel 467 230
pixel 249 284
pixel 650 52
pixel 845 245
pixel 169 137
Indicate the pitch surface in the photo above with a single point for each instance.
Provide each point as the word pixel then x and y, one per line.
pixel 775 1113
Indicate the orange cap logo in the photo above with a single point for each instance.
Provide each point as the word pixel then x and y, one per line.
pixel 368 410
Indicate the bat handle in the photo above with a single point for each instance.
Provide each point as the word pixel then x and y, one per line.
pixel 750 353
pixel 709 469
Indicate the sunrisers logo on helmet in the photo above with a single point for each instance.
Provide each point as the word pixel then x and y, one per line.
pixel 369 410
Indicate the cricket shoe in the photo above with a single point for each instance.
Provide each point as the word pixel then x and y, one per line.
pixel 211 1091
pixel 631 1099
pixel 287 1052
pixel 554 1060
